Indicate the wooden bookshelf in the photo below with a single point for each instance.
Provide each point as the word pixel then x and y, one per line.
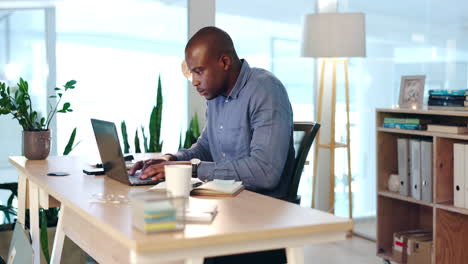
pixel 397 212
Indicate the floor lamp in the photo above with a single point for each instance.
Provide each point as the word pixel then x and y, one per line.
pixel 333 37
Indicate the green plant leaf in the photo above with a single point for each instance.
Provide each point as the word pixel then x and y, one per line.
pixel 155 121
pixel 70 84
pixel 123 128
pixel 44 238
pixel 66 106
pixel 145 140
pixel 57 89
pixel 180 140
pixel 137 142
pixel 69 147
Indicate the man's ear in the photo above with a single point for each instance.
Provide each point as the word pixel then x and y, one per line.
pixel 226 62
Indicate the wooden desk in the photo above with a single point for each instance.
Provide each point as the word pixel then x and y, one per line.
pixel 248 222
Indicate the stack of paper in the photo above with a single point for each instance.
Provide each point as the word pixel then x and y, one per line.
pixel 201 211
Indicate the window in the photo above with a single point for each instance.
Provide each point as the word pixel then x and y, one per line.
pixel 22 54
pixel 403 38
pixel 116 55
pixel 268 35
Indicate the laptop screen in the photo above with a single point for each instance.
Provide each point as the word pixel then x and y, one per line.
pixel 108 143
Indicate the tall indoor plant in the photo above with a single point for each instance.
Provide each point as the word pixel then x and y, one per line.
pixel 36 133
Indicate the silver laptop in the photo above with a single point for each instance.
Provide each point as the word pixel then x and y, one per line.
pixel 112 158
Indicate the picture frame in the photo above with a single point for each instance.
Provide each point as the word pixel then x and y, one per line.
pixel 412 91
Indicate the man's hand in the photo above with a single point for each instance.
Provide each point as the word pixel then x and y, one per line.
pixel 154 170
pixel 144 164
pixel 154 167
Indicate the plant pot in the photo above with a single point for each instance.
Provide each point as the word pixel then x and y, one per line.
pixel 36 144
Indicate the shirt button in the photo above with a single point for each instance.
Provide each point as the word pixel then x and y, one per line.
pixel 220 127
pixel 224 154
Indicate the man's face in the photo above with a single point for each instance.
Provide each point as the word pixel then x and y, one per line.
pixel 208 72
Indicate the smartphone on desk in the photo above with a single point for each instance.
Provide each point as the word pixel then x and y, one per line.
pixel 94 171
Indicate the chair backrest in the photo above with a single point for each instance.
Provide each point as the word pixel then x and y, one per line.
pixel 304 135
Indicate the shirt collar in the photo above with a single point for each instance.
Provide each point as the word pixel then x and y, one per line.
pixel 241 79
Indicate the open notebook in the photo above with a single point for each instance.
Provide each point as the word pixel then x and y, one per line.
pixel 218 188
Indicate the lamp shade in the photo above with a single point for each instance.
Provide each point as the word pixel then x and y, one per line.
pixel 334 35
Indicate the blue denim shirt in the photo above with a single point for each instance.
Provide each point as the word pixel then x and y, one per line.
pixel 248 135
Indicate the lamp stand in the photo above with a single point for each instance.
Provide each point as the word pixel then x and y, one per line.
pixel 332 145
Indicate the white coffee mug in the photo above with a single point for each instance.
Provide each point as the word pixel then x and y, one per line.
pixel 178 179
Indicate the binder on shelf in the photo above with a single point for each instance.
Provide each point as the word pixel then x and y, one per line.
pixel 403 165
pixel 415 175
pixel 465 176
pixel 458 175
pixel 426 171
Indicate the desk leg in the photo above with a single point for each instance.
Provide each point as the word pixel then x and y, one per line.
pixel 59 238
pixel 22 183
pixel 295 255
pixel 194 261
pixel 34 221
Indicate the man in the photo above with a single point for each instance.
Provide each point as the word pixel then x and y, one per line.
pixel 249 127
pixel 248 134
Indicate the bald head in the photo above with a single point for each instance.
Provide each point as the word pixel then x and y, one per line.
pixel 213 62
pixel 215 40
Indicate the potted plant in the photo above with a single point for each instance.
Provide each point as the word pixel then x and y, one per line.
pixel 36 133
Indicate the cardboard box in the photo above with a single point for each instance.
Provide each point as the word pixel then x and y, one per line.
pixel 400 242
pixel 419 250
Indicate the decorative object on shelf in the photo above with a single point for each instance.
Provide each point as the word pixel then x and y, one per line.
pixel 36 134
pixel 394 183
pixel 334 37
pixel 412 91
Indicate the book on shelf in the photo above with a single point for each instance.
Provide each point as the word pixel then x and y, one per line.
pixel 426 171
pixel 454 129
pixel 414 121
pixel 465 175
pixel 459 175
pixel 415 168
pixel 405 126
pixel 447 97
pixel 447 92
pixel 437 102
pixel 447 108
pixel 403 165
pixel 218 188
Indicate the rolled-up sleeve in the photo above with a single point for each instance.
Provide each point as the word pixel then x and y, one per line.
pixel 270 118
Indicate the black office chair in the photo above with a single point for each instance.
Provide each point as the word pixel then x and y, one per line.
pixel 304 135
